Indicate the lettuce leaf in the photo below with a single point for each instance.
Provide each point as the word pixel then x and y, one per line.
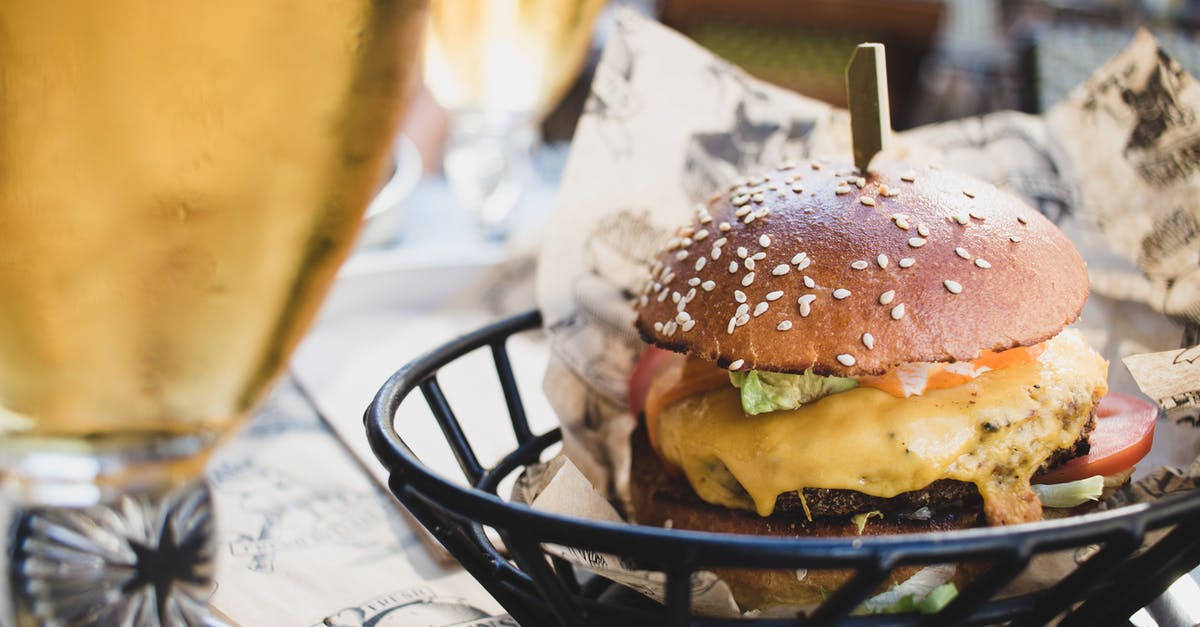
pixel 764 391
pixel 927 592
pixel 1071 493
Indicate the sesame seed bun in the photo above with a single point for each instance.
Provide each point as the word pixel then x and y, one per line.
pixel 819 267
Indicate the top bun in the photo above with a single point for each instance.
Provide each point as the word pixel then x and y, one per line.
pixel 850 274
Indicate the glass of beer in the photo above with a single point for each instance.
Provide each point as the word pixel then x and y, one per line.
pixel 498 67
pixel 179 182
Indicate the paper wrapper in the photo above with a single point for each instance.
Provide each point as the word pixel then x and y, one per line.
pixel 1116 166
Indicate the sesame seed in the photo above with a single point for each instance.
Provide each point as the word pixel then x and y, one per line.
pixel 841 293
pixel 868 340
pixel 781 269
pixel 976 215
pixel 685 242
pixel 724 227
pixel 666 291
pixel 799 257
pixel 743 319
pixel 860 182
pixel 846 359
pixel 922 230
pixel 694 281
pixel 808 282
pixel 916 242
pixel 749 263
pixel 705 218
pixel 682 317
pixel 774 296
pixel 762 213
pixel 739 296
pixel 902 223
pixel 962 218
pixel 867 200
pixel 982 263
pixel 687 326
pixel 736 365
pixel 668 277
pixel 859 265
pixel 786 164
pixel 908 177
pixel 764 240
pixel 700 235
pixel 816 165
pixel 887 297
pixel 720 242
pixel 954 287
pixel 691 294
pixel 840 190
pixel 758 197
pixel 748 279
pixel 759 256
pixel 805 303
pixel 882 260
pixel 733 267
pixel 750 218
pixel 742 310
pixel 658 327
pixel 1022 220
pixel 883 189
pixel 1016 239
pixel 670 327
pixel 700 261
pixel 804 263
pixel 708 286
pixel 898 311
pixel 681 255
pixel 962 252
pixel 892 193
pixel 715 254
pixel 796 187
pixel 760 309
pixel 732 323
pixel 676 297
pixel 907 262
pixel 744 211
pixel 968 194
pixel 784 325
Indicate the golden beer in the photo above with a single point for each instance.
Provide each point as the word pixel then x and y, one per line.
pixel 506 55
pixel 178 184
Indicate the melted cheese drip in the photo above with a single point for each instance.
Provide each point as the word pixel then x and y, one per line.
pixel 993 431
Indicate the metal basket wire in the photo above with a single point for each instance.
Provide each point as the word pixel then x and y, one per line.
pixel 537 588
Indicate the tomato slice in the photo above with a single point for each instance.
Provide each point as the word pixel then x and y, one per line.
pixel 661 377
pixel 653 360
pixel 1123 435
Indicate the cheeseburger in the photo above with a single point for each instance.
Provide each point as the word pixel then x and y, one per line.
pixel 858 353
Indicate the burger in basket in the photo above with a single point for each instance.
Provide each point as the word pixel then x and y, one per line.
pixel 837 352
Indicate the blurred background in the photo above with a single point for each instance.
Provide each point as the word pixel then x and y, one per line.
pixel 487 137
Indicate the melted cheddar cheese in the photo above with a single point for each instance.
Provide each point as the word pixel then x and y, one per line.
pixel 994 430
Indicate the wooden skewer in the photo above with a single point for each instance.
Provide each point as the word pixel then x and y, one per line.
pixel 866 93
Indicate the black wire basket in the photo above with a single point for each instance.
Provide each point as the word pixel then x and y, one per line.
pixel 538 588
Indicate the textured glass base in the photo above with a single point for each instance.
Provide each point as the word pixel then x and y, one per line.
pixel 145 560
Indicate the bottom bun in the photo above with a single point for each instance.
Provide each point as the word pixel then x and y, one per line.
pixel 662 498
